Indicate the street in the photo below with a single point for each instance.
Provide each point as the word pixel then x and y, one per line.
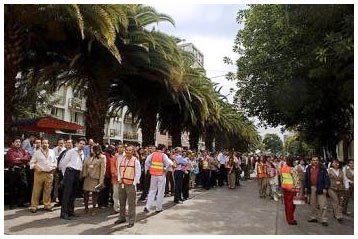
pixel 219 211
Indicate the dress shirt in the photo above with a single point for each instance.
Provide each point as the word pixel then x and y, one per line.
pixel 221 158
pixel 46 163
pixel 166 161
pixel 181 161
pixel 137 169
pixel 58 150
pixel 346 179
pixel 16 157
pixel 73 159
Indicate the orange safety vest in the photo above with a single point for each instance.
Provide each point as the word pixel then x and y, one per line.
pixel 261 170
pixel 157 166
pixel 127 171
pixel 287 180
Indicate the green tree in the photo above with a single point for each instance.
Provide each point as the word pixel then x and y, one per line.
pixel 273 143
pixel 296 69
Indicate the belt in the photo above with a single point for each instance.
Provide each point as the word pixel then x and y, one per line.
pixel 72 169
pixel 13 168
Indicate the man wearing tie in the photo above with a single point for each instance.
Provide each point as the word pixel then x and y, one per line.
pixel 71 166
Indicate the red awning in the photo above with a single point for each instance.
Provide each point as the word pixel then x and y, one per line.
pixel 47 125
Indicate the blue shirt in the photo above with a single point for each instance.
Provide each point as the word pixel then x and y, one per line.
pixel 181 161
pixel 87 151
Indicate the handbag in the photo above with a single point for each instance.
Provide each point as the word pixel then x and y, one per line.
pixel 299 198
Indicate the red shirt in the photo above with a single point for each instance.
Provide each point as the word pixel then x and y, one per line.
pixel 17 157
pixel 113 168
pixel 108 165
pixel 314 175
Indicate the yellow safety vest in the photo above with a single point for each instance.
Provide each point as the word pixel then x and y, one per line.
pixel 287 180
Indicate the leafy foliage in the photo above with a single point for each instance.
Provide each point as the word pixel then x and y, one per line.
pixel 273 143
pixel 296 68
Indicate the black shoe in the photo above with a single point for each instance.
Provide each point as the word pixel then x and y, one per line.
pixel 50 209
pixel 312 220
pixel 73 215
pixel 293 223
pixel 65 217
pixel 119 221
pixel 130 225
pixel 325 224
pixel 146 210
pixel 340 220
pixel 114 212
pixel 57 204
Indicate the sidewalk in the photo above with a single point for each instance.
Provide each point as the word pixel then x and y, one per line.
pixel 216 211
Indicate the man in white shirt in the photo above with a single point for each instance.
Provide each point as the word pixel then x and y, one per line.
pixel 44 164
pixel 56 180
pixel 71 167
pixel 158 164
pixel 129 172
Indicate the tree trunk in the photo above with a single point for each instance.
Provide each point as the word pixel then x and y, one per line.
pixel 209 139
pixel 176 135
pixel 13 58
pixel 194 139
pixel 148 125
pixel 97 107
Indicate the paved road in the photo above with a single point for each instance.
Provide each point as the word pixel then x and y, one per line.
pixel 219 211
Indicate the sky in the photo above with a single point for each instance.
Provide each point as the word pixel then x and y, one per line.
pixel 212 28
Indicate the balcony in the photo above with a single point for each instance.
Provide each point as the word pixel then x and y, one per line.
pixel 59 99
pixel 75 103
pixel 130 136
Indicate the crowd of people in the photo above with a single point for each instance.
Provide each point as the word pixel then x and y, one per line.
pixel 299 183
pixel 112 175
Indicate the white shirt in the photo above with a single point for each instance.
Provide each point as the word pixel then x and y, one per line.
pixel 58 150
pixel 137 170
pixel 347 180
pixel 221 158
pixel 46 164
pixel 73 159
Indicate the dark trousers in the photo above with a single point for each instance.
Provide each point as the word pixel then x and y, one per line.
pixel 146 186
pixel 70 184
pixel 17 186
pixel 178 182
pixel 213 178
pixel 103 195
pixel 186 180
pixel 289 206
pixel 169 184
pixel 206 179
pixel 57 186
pixel 222 174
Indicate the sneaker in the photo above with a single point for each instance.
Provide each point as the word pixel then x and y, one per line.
pixel 146 210
pixel 275 198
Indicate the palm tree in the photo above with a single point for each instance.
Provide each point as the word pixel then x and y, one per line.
pixel 53 24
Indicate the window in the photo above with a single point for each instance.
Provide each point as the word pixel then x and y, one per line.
pixel 76 117
pixel 112 132
pixel 58 113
